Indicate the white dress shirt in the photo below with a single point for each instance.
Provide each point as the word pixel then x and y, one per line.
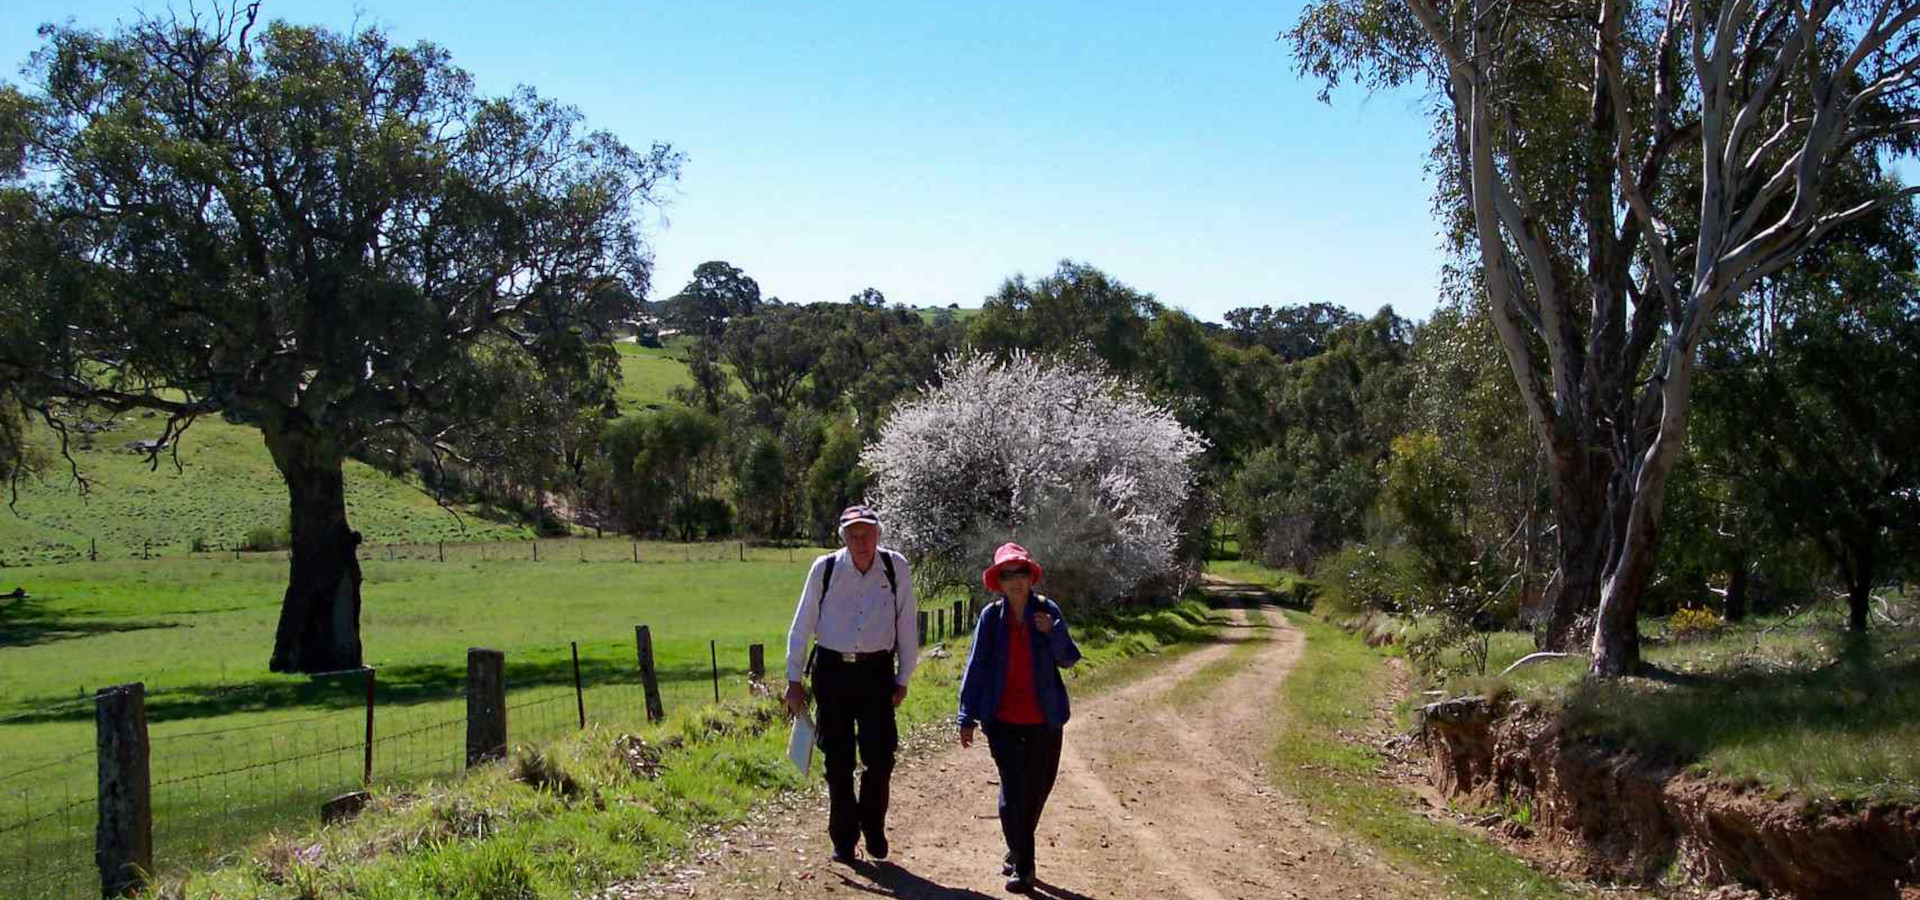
pixel 858 615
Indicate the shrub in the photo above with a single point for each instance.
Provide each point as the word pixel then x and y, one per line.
pixel 267 537
pixel 1695 624
pixel 1359 579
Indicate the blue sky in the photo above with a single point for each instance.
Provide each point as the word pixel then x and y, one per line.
pixel 932 150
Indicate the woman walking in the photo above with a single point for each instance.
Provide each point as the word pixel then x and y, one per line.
pixel 1012 688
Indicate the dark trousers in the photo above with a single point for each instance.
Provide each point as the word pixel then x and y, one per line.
pixel 1028 757
pixel 854 709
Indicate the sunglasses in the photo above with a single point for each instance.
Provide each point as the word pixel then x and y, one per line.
pixel 1016 572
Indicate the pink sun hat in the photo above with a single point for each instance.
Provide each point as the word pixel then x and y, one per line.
pixel 1009 554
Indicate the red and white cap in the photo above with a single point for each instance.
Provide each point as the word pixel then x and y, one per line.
pixel 855 515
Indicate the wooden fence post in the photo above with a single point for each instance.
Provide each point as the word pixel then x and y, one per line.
pixel 93 550
pixel 123 837
pixel 579 696
pixel 743 551
pixel 636 551
pixel 536 549
pixel 443 551
pixel 486 705
pixel 366 771
pixel 643 645
pixel 956 619
pixel 756 663
pixel 939 624
pixel 923 627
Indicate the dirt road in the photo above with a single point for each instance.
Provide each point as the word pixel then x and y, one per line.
pixel 1160 795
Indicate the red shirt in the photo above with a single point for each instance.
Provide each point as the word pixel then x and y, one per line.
pixel 1019 703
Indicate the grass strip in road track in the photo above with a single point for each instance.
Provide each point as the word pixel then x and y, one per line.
pixel 1332 692
pixel 1203 681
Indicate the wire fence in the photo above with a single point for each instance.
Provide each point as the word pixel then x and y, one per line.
pixel 579 549
pixel 215 787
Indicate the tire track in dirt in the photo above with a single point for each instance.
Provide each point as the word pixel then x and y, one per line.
pixel 1155 799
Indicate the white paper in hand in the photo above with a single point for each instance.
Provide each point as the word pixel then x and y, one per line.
pixel 800 743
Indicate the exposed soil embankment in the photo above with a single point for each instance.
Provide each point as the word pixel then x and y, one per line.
pixel 1642 822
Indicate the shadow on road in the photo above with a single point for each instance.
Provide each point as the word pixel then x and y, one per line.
pixel 889 880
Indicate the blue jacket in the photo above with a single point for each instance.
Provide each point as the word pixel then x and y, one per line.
pixel 986 676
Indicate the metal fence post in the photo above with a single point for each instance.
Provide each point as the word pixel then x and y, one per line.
pixel 579 696
pixel 366 771
pixel 713 654
pixel 486 705
pixel 123 838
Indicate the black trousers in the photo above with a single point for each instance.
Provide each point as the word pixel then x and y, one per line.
pixel 854 710
pixel 1028 757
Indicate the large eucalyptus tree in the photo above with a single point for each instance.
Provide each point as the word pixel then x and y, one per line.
pixel 1620 170
pixel 327 236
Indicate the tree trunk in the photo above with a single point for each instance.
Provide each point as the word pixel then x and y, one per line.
pixel 1616 631
pixel 319 627
pixel 1859 574
pixel 1859 594
pixel 1737 593
pixel 1583 533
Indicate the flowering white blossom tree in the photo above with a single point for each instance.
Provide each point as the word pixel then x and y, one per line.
pixel 1060 455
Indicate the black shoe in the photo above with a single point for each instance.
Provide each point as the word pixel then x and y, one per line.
pixel 1020 885
pixel 1006 869
pixel 877 846
pixel 845 857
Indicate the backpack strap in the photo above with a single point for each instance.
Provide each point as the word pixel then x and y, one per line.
pixel 826 581
pixel 886 561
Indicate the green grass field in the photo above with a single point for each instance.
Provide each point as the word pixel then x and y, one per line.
pixel 239 752
pixel 197 632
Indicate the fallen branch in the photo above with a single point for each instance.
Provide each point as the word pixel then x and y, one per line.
pixel 1529 659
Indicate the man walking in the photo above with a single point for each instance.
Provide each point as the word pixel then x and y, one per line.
pixel 858 607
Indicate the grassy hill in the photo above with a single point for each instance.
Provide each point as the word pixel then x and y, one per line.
pixel 226 485
pixel 649 374
pixel 929 313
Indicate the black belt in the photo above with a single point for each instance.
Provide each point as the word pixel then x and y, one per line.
pixel 846 657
